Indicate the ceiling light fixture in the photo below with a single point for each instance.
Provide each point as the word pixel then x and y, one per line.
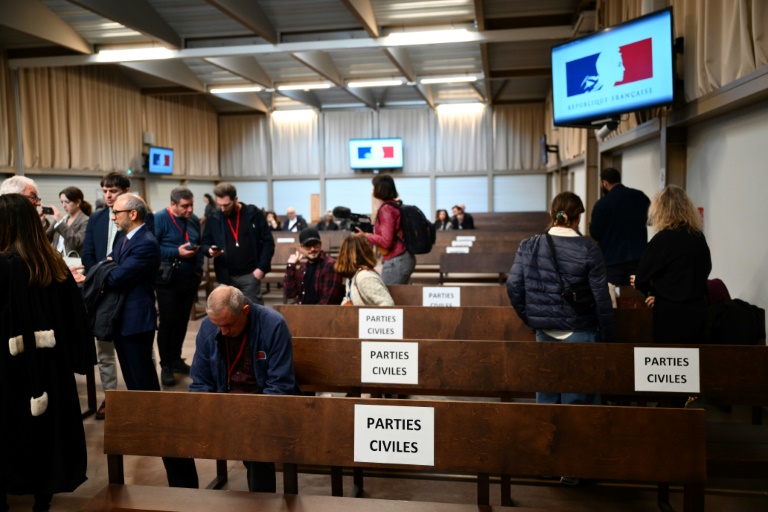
pixel 457 35
pixel 375 83
pixel 304 87
pixel 460 108
pixel 133 54
pixel 449 79
pixel 226 90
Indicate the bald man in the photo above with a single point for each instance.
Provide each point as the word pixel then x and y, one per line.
pixel 294 222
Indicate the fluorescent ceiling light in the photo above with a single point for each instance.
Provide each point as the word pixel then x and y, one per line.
pixel 304 87
pixel 375 83
pixel 456 35
pixel 296 114
pixel 245 88
pixel 126 55
pixel 460 108
pixel 449 79
pixel 456 12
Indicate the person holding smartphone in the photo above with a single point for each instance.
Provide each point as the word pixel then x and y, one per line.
pixel 177 229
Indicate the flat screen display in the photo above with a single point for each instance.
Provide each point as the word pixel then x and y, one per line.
pixel 621 69
pixel 160 160
pixel 376 153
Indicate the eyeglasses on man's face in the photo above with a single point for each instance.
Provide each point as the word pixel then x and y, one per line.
pixel 34 198
pixel 115 212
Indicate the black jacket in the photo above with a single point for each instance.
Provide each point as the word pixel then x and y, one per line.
pixel 104 305
pixel 619 223
pixel 534 289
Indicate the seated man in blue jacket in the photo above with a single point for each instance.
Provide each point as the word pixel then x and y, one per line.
pixel 241 348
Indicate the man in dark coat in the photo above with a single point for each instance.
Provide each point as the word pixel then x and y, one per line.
pixel 618 225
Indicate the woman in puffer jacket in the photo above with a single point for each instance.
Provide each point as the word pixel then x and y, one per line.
pixel 535 289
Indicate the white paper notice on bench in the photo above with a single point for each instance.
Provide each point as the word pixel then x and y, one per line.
pixel 466 238
pixel 667 369
pixel 457 250
pixel 441 296
pixel 390 434
pixel 389 362
pixel 286 240
pixel 461 243
pixel 380 324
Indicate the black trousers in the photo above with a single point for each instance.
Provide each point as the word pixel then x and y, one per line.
pixel 183 473
pixel 174 303
pixel 135 355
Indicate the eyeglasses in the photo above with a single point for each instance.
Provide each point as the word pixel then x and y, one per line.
pixel 115 212
pixel 34 198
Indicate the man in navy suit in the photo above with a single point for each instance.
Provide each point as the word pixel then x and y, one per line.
pixel 99 238
pixel 137 255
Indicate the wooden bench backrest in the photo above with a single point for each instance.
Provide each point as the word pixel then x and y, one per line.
pixel 624 443
pixel 413 295
pixel 464 323
pixel 477 262
pixel 729 374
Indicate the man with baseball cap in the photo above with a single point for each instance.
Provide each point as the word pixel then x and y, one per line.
pixel 313 282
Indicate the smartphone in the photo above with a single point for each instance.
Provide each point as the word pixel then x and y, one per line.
pixel 215 249
pixel 47 210
pixel 195 247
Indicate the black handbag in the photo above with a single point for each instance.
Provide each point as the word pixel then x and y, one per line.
pixel 166 272
pixel 579 297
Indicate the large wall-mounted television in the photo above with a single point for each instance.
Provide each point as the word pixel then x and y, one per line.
pixel 375 154
pixel 160 160
pixel 617 70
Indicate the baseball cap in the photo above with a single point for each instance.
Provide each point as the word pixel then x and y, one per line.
pixel 309 235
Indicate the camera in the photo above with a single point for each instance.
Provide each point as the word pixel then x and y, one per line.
pixel 356 220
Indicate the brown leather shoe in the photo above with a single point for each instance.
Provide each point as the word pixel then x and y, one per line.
pixel 101 411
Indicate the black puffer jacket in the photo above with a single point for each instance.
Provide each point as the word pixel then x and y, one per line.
pixel 534 289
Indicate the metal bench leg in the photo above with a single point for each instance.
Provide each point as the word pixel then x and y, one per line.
pixel 290 478
pixel 337 481
pixel 483 489
pixel 221 475
pixel 506 491
pixel 357 478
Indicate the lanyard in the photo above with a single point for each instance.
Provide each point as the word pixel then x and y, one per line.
pixel 236 230
pixel 184 233
pixel 231 367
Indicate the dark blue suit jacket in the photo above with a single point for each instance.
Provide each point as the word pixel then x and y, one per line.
pixel 138 261
pixel 95 243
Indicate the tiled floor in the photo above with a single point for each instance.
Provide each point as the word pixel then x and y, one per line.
pixel 722 496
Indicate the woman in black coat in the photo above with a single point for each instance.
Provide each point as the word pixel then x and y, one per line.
pixel 674 269
pixel 42 442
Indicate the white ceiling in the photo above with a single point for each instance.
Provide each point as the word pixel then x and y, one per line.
pixel 278 42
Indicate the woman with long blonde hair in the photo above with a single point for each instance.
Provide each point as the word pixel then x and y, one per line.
pixel 42 442
pixel 674 269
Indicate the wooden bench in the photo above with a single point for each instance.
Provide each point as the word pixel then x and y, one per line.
pixel 496 263
pixel 413 295
pixel 619 443
pixel 465 323
pixel 535 222
pixel 729 375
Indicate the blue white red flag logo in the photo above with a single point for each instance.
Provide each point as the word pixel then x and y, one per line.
pixel 366 152
pixel 610 68
pixel 158 159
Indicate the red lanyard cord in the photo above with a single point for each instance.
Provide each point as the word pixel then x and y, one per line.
pixel 231 367
pixel 184 233
pixel 236 230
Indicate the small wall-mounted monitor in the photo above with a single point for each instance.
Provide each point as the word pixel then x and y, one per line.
pixel 373 154
pixel 617 70
pixel 160 160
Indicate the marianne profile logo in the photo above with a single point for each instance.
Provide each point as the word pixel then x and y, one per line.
pixel 610 68
pixel 369 152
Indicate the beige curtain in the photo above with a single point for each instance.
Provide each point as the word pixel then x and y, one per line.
pixel 189 125
pixel 44 111
pixel 105 121
pixel 338 129
pixel 295 143
pixel 613 12
pixel 462 139
pixel 724 41
pixel 244 143
pixel 516 135
pixel 6 112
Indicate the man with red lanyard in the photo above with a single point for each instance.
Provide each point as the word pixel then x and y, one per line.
pixel 177 229
pixel 241 348
pixel 240 242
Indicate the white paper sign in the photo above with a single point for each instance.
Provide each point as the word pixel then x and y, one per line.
pixel 395 435
pixel 286 240
pixel 466 238
pixel 380 324
pixel 461 243
pixel 389 362
pixel 457 250
pixel 441 296
pixel 667 369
